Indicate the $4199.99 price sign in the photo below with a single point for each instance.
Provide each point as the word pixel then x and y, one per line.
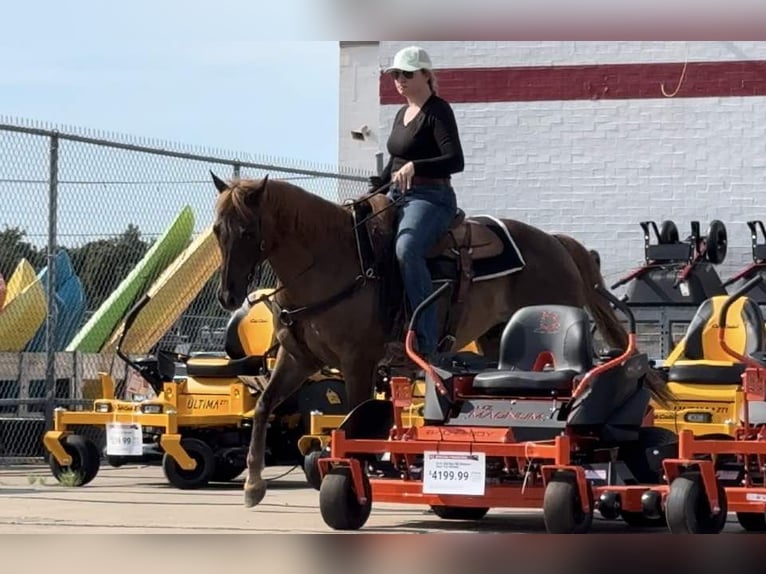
pixel 454 473
pixel 124 439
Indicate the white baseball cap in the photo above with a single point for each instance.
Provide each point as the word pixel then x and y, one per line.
pixel 410 59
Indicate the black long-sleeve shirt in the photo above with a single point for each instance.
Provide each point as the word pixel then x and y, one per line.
pixel 430 141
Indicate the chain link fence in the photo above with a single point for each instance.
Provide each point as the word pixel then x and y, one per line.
pixel 87 224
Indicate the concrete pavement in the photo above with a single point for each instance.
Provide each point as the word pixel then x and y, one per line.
pixel 137 499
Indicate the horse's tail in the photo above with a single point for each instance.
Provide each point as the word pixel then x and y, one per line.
pixel 604 316
pixel 606 319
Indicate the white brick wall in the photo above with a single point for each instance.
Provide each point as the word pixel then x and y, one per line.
pixel 596 168
pixel 358 96
pixel 490 54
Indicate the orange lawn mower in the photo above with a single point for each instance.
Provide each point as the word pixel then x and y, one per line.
pixel 713 476
pixel 549 426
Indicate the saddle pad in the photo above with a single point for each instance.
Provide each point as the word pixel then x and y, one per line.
pixel 507 262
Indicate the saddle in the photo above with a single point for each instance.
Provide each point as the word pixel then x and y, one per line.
pixel 473 236
pixel 465 242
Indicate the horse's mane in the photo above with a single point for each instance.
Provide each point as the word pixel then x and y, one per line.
pixel 296 211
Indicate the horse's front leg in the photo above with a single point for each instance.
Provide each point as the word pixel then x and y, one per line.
pixel 288 375
pixel 359 375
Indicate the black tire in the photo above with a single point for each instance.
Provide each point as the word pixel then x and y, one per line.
pixel 201 452
pixel 460 512
pixel 717 242
pixel 562 510
pixel 639 520
pixel 226 471
pixel 338 503
pixel 636 455
pixel 86 460
pixel 116 461
pixel 668 232
pixel 311 470
pixel 596 257
pixel 751 521
pixel 718 459
pixel 688 510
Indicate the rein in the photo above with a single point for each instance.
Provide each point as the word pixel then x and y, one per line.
pixel 381 189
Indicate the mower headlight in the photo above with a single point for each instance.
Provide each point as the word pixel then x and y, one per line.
pixel 103 407
pixel 700 417
pixel 151 409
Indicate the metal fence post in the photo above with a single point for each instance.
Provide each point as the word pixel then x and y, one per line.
pixel 236 170
pixel 50 346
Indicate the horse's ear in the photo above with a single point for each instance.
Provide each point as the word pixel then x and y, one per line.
pixel 220 185
pixel 260 190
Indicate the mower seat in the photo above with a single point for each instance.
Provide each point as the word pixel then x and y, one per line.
pixel 249 334
pixel 706 372
pixel 499 383
pixel 221 367
pixel 250 329
pixel 699 357
pixel 542 349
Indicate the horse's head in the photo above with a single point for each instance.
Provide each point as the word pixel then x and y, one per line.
pixel 239 230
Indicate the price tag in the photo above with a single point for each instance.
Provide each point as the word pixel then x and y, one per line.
pixel 454 473
pixel 124 439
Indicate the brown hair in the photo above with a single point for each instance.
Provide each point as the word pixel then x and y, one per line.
pixel 431 78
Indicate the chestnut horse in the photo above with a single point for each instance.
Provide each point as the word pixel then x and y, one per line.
pixel 333 314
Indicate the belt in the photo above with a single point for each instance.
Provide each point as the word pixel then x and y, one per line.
pixel 420 180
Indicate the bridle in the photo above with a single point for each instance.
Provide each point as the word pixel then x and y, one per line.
pixel 288 316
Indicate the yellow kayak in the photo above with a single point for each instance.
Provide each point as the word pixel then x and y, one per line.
pixel 24 310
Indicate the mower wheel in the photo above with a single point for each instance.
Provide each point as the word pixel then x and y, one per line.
pixel 752 521
pixel 668 232
pixel 311 470
pixel 86 461
pixel 596 257
pixel 338 503
pixel 116 461
pixel 562 507
pixel 717 242
pixel 688 509
pixel 460 512
pixel 225 471
pixel 201 452
pixel 643 457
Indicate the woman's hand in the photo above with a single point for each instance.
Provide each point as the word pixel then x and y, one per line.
pixel 403 177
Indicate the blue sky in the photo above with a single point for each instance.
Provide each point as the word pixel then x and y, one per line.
pixel 213 74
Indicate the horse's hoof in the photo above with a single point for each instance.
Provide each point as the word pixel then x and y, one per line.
pixel 254 493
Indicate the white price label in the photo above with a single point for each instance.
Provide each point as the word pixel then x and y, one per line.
pixel 454 473
pixel 124 439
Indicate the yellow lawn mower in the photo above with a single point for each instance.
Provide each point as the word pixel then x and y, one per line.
pixel 199 422
pixel 705 380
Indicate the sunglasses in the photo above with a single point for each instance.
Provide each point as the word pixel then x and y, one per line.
pixel 397 73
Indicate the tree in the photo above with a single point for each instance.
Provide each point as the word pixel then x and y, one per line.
pixel 103 264
pixel 13 248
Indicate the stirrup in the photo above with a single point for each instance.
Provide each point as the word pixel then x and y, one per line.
pixel 441 347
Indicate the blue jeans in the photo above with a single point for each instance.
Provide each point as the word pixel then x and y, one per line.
pixel 424 217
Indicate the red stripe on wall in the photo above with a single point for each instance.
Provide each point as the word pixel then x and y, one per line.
pixel 594 82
